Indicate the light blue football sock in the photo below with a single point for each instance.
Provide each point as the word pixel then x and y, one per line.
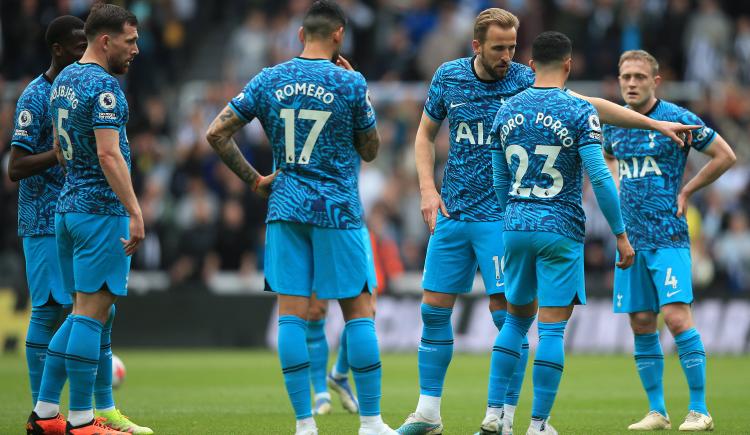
pixel 41 328
pixel 649 361
pixel 494 399
pixel 295 363
pixel 55 375
pixel 506 354
pixel 317 347
pixel 342 360
pixel 435 349
pixel 364 360
pixel 82 361
pixel 103 384
pixel 516 381
pixel 548 367
pixel 693 361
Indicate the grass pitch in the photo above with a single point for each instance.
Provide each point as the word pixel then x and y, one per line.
pixel 241 392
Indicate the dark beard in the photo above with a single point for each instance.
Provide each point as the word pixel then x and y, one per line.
pixel 491 70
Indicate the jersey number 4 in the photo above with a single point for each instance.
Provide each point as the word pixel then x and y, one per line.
pixel 65 143
pixel 320 117
pixel 523 165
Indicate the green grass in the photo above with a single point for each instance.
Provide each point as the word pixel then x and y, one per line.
pixel 241 392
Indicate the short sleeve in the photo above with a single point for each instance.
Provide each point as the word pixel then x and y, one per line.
pixel 363 113
pixel 28 123
pixel 703 136
pixel 110 108
pixel 607 135
pixel 245 104
pixel 589 127
pixel 434 107
pixel 495 137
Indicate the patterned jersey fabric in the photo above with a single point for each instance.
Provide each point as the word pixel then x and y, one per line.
pixel 470 104
pixel 541 132
pixel 84 98
pixel 37 195
pixel 651 170
pixel 310 110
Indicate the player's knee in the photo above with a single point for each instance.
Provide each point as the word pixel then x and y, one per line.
pixel 437 299
pixel 643 323
pixel 677 322
pixel 498 302
pixel 435 316
pixel 317 312
pixel 46 315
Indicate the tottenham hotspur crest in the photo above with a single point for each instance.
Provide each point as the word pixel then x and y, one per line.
pixel 107 100
pixel 24 118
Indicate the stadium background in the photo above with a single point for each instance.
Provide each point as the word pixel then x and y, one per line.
pixel 197 280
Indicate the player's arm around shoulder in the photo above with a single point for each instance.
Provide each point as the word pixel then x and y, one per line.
pixel 614 114
pixel 26 160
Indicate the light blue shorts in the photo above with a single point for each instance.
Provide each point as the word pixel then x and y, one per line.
pixel 455 251
pixel 43 271
pixel 303 258
pixel 657 277
pixel 91 254
pixel 372 277
pixel 544 265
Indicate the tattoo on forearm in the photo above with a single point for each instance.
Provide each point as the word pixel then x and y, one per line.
pixel 232 156
pixel 225 115
pixel 220 137
pixel 367 143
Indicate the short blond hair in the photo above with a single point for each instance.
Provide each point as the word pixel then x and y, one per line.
pixel 643 56
pixel 491 16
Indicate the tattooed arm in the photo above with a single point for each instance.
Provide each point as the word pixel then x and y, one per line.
pixel 219 135
pixel 367 143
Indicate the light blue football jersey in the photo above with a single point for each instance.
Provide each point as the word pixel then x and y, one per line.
pixel 651 167
pixel 541 131
pixel 37 195
pixel 310 110
pixel 86 97
pixel 470 104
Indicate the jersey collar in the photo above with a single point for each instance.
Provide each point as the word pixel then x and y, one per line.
pixel 651 110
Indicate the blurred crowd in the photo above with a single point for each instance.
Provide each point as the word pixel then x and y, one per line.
pixel 201 219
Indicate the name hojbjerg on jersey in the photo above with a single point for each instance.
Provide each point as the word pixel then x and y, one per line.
pixel 309 89
pixel 65 92
pixel 541 118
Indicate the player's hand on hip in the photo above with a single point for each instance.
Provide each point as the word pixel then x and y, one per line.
pixel 431 204
pixel 263 184
pixel 681 134
pixel 627 254
pixel 343 63
pixel 137 234
pixel 682 203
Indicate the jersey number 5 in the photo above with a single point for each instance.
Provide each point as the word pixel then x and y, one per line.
pixel 523 165
pixel 320 117
pixel 67 146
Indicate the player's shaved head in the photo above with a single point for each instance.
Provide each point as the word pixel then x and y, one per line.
pixel 493 16
pixel 62 30
pixel 550 48
pixel 322 19
pixel 643 56
pixel 110 19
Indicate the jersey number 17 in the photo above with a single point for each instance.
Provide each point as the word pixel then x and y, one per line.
pixel 320 117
